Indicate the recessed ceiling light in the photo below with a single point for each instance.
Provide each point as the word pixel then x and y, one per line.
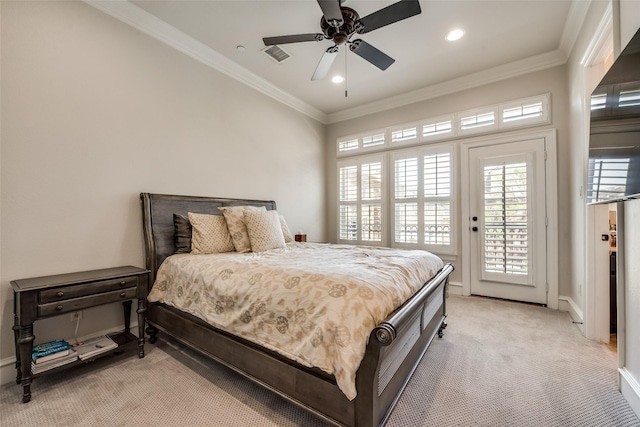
pixel 337 79
pixel 455 34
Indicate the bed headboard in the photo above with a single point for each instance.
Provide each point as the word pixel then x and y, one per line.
pixel 157 220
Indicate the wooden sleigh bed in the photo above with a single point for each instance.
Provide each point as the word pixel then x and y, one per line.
pixel 394 348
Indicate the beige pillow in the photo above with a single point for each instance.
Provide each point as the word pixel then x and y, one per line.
pixel 234 215
pixel 265 231
pixel 288 237
pixel 210 234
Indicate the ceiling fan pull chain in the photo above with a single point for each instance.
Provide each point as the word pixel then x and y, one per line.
pixel 345 72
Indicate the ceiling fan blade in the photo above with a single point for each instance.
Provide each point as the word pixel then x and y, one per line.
pixel 325 63
pixel 331 11
pixel 371 54
pixel 393 13
pixel 296 38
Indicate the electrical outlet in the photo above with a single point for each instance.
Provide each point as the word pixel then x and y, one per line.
pixel 76 315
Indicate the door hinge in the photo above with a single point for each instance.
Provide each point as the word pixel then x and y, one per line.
pixel 546 221
pixel 546 287
pixel 545 155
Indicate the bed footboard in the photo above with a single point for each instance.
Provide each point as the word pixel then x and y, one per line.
pixel 395 348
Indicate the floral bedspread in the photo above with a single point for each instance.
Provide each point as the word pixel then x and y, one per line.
pixel 313 303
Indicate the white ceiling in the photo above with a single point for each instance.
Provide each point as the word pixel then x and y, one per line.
pixel 503 38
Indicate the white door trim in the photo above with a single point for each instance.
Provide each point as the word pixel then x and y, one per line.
pixel 551 189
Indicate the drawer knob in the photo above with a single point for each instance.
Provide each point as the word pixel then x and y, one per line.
pixel 58 307
pixel 123 294
pixel 59 293
pixel 124 282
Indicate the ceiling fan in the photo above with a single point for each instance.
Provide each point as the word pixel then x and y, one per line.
pixel 340 23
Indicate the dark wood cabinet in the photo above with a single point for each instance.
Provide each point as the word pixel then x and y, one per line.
pixel 43 297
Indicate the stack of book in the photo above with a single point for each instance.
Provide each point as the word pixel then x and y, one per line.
pixel 94 346
pixel 51 354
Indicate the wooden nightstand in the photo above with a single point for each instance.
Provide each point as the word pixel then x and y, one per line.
pixel 42 297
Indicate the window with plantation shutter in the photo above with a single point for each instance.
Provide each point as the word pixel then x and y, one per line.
pixel 524 112
pixel 437 128
pixel 361 202
pixel 348 144
pixel 404 134
pixel 423 199
pixel 373 140
pixel 471 120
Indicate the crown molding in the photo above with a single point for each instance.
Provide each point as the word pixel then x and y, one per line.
pixel 577 14
pixel 491 75
pixel 149 24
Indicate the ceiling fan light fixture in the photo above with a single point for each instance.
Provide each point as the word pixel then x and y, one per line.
pixel 455 34
pixel 337 79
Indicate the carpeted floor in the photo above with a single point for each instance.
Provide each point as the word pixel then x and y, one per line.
pixel 499 364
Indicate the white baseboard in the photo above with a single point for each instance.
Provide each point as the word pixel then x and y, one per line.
pixel 8 365
pixel 630 389
pixel 567 304
pixel 455 288
pixel 8 370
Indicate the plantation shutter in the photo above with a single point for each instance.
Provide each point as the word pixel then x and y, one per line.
pixel 348 203
pixel 506 219
pixel 437 193
pixel 423 199
pixel 361 203
pixel 371 210
pixel 406 200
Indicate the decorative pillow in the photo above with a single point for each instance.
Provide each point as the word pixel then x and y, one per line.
pixel 234 215
pixel 182 234
pixel 265 231
pixel 210 234
pixel 288 237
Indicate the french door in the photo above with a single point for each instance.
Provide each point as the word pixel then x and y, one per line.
pixel 508 221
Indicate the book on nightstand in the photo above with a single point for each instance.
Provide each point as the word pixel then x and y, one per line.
pixel 94 346
pixel 71 356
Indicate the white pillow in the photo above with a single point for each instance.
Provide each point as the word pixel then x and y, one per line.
pixel 210 234
pixel 234 215
pixel 288 237
pixel 265 231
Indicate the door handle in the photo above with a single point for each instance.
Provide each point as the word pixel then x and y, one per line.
pixel 475 228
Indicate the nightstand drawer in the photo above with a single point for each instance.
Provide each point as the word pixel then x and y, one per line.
pixel 76 304
pixel 68 292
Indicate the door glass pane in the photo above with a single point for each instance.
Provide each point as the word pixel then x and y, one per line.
pixel 506 219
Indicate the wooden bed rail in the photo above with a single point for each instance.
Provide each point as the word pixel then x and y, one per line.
pixel 388 329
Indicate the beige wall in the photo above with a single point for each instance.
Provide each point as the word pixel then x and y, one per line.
pixel 551 80
pixel 93 113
